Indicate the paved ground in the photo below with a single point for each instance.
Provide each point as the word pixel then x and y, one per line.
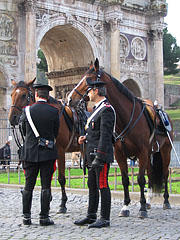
pixel 161 224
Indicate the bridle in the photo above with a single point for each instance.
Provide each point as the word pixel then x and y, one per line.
pixel 88 81
pixel 29 98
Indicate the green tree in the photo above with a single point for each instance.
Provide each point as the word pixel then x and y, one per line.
pixel 43 63
pixel 171 53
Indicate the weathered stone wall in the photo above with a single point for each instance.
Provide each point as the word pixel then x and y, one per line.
pixel 126 36
pixel 171 94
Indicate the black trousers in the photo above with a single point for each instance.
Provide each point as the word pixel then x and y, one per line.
pixel 99 180
pixel 31 169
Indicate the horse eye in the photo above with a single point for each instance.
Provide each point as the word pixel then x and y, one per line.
pixel 23 96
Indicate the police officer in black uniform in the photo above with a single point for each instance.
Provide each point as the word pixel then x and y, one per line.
pixel 99 155
pixel 39 156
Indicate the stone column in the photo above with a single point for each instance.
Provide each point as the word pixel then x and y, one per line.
pixel 113 18
pixel 158 66
pixel 115 51
pixel 30 51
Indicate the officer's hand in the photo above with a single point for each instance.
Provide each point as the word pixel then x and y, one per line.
pixel 81 139
pixel 97 163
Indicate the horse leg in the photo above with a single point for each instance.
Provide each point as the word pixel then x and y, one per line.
pixel 149 194
pixel 62 182
pixel 125 181
pixel 142 182
pixel 122 162
pixel 166 156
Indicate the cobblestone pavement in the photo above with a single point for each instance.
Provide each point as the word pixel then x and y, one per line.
pixel 160 224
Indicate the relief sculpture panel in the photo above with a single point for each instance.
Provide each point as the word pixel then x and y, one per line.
pixel 7 27
pixel 138 48
pixel 124 46
pixel 8 48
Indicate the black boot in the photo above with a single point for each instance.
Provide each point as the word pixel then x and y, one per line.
pixel 92 208
pixel 104 220
pixel 45 206
pixel 27 201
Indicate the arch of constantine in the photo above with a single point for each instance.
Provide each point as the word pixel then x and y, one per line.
pixel 126 36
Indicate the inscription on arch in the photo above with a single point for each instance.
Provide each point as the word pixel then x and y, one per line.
pixel 6 27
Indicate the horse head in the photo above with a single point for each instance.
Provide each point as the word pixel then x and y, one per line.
pixel 79 93
pixel 21 96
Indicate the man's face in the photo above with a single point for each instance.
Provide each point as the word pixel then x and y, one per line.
pixel 92 94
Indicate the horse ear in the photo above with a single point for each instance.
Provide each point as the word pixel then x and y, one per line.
pixel 91 65
pixel 30 82
pixel 13 83
pixel 96 65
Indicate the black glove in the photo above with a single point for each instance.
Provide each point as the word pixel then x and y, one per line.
pixel 97 163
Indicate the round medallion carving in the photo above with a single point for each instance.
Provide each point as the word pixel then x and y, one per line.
pixel 6 27
pixel 124 46
pixel 138 48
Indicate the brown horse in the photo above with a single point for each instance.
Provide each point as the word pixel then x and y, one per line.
pixel 136 136
pixel 23 95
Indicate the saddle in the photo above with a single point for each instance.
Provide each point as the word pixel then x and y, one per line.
pixel 150 109
pixel 159 117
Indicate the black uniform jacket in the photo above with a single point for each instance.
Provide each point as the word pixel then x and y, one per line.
pixel 100 134
pixel 46 120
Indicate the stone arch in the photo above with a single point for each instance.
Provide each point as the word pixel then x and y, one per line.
pixel 83 39
pixel 133 87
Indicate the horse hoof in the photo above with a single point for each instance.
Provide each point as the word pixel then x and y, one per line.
pixel 124 213
pixel 148 206
pixel 143 214
pixel 62 210
pixel 166 206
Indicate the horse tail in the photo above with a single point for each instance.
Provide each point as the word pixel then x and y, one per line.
pixel 157 172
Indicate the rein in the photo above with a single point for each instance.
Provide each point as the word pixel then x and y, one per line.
pixel 14 130
pixel 121 137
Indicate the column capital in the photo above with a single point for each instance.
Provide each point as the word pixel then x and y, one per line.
pixel 156 32
pixel 30 5
pixel 114 16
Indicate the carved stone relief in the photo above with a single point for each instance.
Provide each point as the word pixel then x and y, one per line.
pixel 159 6
pixel 124 46
pixel 138 48
pixel 61 92
pixel 11 61
pixel 7 27
pixel 8 48
pixel 133 65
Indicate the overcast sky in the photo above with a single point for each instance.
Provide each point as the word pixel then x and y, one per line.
pixel 173 19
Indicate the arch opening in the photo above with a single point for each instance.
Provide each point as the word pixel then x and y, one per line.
pixel 133 87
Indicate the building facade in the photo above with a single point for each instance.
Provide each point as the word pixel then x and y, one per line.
pixel 125 35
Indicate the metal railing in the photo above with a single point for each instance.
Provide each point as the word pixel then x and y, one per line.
pixel 132 174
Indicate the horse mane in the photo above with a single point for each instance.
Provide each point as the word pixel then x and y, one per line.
pixel 123 89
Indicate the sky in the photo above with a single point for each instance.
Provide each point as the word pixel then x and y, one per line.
pixel 173 19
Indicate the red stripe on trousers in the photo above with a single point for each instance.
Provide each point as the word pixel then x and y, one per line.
pixel 103 177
